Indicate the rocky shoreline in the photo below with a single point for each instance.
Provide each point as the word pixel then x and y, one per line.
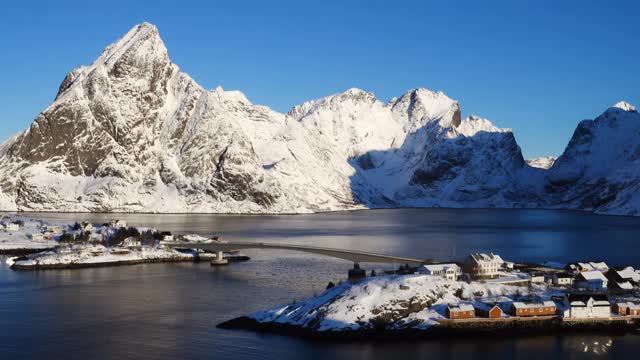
pixel 472 329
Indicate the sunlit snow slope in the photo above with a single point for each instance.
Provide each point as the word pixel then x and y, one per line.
pixel 132 133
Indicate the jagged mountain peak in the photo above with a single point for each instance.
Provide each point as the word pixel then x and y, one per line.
pixel 418 107
pixel 474 124
pixel 542 162
pixel 345 101
pixel 143 38
pixel 141 50
pixel 623 105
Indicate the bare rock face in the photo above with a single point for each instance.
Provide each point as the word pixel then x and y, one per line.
pixel 131 132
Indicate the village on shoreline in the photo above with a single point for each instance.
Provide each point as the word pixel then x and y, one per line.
pixel 483 292
pixel 33 244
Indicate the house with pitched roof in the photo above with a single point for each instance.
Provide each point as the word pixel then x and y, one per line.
pixel 562 279
pixel 626 309
pixel 591 280
pixel 534 308
pixel 448 271
pixel 483 265
pixel 462 311
pixel 624 279
pixel 587 306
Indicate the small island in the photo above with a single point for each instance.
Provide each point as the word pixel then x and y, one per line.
pixel 40 245
pixel 439 299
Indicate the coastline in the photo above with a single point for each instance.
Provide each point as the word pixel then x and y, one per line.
pixel 489 328
pixel 69 266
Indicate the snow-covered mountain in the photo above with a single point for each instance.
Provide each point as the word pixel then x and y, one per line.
pixel 132 133
pixel 543 162
pixel 600 168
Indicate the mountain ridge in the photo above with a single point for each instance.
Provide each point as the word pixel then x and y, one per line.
pixel 132 133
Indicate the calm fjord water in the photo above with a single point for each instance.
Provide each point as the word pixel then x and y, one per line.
pixel 170 310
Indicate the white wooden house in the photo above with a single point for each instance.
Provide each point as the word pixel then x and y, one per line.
pixel 131 242
pixel 591 280
pixel 537 278
pixel 581 306
pixel 448 271
pixel 13 227
pixel 562 279
pixel 37 237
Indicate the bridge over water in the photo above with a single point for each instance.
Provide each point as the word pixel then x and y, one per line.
pixel 356 257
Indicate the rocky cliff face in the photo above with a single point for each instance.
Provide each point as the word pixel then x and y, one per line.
pixel 131 132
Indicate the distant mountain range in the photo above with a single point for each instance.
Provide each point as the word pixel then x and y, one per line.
pixel 132 133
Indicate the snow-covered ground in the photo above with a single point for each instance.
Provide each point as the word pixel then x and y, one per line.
pixel 92 254
pixel 22 238
pixel 399 302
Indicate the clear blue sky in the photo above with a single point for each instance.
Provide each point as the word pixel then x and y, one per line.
pixel 538 67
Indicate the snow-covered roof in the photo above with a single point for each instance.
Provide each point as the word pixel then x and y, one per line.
pixel 625 285
pixel 585 266
pixel 629 305
pixel 601 303
pixel 486 306
pixel 533 305
pixel 462 307
pixel 491 257
pixel 441 267
pixel 579 303
pixel 629 273
pixel 599 265
pixel 593 275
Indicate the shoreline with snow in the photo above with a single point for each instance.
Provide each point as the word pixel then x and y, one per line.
pixel 24 264
pixel 37 244
pixel 415 306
